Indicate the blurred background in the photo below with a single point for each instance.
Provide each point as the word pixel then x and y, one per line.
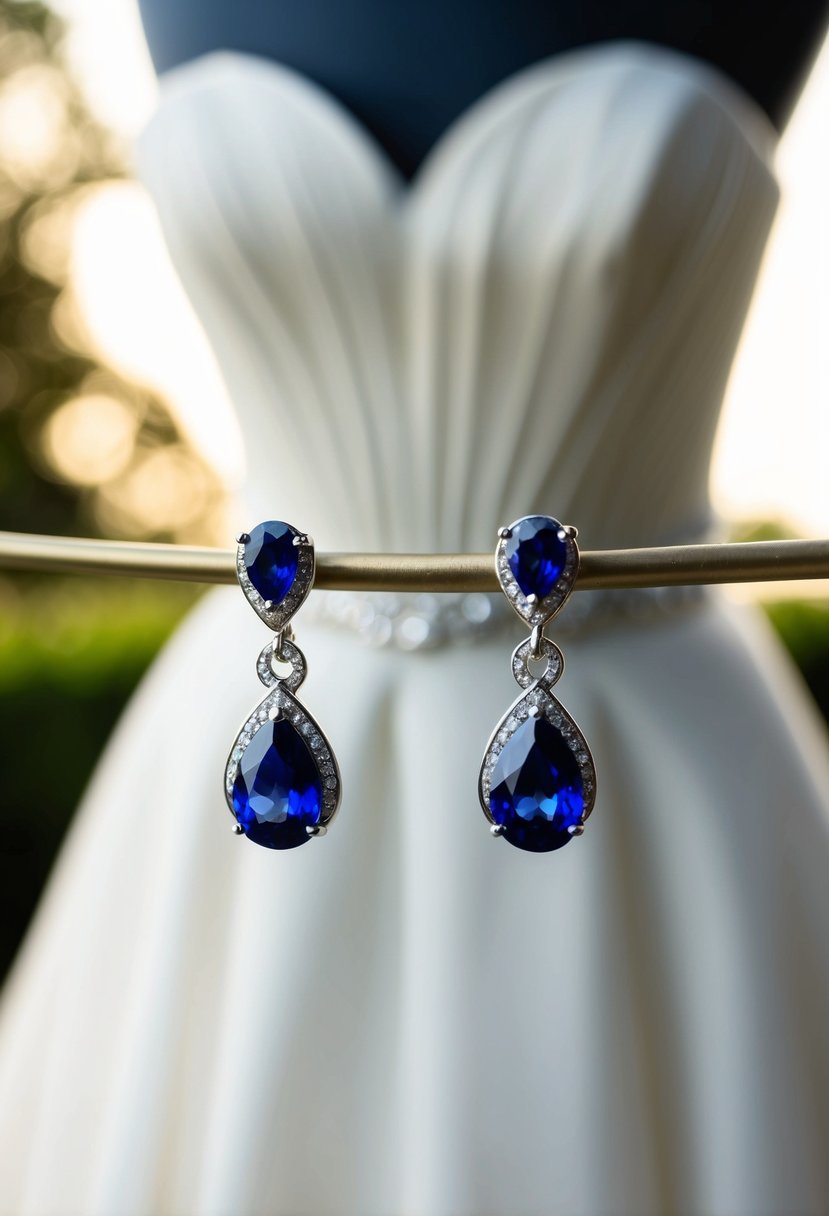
pixel 114 422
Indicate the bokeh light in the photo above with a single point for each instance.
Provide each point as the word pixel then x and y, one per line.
pixel 39 147
pixel 90 440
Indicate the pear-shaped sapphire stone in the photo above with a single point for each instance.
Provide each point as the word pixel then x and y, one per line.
pixel 271 559
pixel 277 794
pixel 536 554
pixel 536 789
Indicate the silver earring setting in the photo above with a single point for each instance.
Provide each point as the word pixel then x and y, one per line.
pixel 282 783
pixel 537 784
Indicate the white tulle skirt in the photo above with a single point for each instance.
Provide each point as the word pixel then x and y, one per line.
pixel 410 1017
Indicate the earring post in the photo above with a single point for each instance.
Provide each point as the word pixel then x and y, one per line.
pixel 671 566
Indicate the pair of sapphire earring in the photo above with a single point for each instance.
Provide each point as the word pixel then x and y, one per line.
pixel 537 782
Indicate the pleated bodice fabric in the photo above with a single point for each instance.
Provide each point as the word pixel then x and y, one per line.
pixel 409 1018
pixel 544 319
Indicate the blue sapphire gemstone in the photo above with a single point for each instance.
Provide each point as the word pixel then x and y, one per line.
pixel 271 559
pixel 277 794
pixel 536 554
pixel 536 789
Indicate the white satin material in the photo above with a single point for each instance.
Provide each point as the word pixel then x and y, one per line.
pixel 409 1018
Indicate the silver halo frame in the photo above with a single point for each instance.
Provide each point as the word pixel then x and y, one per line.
pixel 535 612
pixel 533 701
pixel 277 616
pixel 280 703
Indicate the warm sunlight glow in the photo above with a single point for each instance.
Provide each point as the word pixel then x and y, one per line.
pixel 772 459
pixel 136 314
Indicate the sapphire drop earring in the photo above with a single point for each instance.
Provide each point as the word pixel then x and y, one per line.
pixel 537 784
pixel 282 783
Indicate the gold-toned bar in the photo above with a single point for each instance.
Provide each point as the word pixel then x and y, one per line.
pixel 678 565
pixel 182 563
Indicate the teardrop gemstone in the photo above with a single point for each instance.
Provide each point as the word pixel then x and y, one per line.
pixel 536 554
pixel 271 559
pixel 536 788
pixel 277 793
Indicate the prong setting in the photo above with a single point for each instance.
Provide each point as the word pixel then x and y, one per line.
pixel 535 593
pixel 295 559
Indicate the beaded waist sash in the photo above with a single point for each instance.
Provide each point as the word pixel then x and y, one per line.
pixel 427 622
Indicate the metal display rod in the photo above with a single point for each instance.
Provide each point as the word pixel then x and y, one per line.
pixel 676 565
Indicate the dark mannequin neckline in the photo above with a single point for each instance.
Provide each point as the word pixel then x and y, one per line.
pixel 407 72
pixel 735 99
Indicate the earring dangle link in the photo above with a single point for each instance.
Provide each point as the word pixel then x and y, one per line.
pixel 537 783
pixel 282 783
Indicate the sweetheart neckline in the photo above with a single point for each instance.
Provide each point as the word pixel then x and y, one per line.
pixel 747 115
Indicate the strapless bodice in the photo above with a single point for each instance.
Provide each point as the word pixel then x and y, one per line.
pixel 544 320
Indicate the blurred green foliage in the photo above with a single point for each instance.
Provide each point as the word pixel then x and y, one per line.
pixel 803 626
pixel 71 653
pixel 83 635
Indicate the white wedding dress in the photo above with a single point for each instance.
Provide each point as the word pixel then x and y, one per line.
pixel 409 1018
